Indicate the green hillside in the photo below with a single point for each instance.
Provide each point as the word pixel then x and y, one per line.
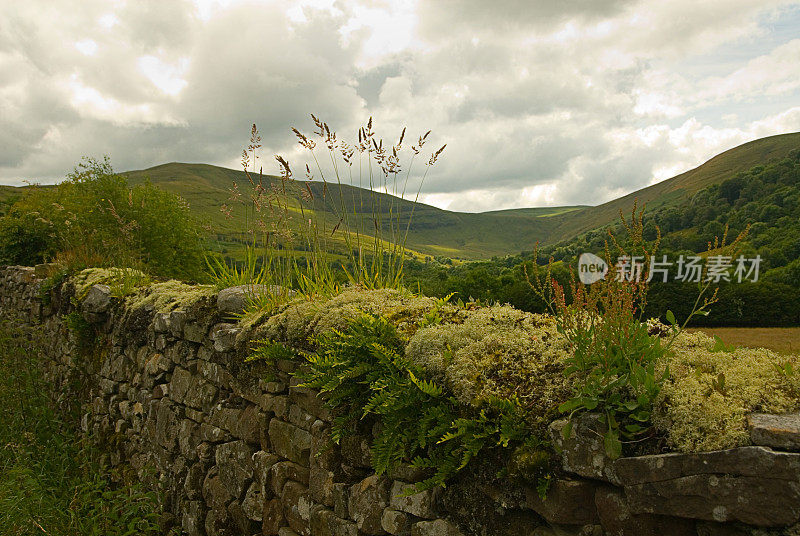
pixel 680 187
pixel 765 197
pixel 438 232
pixel 433 231
pixel 539 211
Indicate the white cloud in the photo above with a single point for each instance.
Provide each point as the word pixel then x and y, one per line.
pixel 775 73
pixel 168 78
pixel 108 20
pixel 86 47
pixel 91 103
pixel 385 29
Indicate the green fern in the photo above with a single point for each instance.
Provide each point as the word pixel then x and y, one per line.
pixel 363 373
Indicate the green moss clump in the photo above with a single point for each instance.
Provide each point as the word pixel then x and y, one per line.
pixel 123 281
pixel 302 320
pixel 168 296
pixel 86 279
pixel 704 403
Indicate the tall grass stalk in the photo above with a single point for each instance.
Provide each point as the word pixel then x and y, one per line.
pixel 315 234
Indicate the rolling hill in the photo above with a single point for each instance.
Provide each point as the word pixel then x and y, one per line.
pixel 435 231
pixel 673 190
pixel 432 231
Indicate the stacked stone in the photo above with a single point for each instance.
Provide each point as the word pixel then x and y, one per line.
pixel 237 449
pixel 20 286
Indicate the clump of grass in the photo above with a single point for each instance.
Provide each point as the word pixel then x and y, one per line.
pixel 313 235
pixel 52 481
pixel 263 289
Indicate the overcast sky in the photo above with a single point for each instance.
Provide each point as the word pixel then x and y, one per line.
pixel 540 102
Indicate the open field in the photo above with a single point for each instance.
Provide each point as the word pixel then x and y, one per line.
pixel 783 340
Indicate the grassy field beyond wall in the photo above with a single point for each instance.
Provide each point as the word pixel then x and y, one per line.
pixel 782 340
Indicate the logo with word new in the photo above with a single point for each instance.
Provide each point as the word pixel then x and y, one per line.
pixel 591 268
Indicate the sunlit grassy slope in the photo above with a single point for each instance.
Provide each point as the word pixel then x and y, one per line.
pixel 435 231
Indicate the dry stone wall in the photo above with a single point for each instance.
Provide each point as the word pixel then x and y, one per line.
pixel 238 449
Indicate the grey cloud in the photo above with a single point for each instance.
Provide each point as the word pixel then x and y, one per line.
pixel 265 75
pixel 372 80
pixel 480 15
pixel 154 24
pixel 505 131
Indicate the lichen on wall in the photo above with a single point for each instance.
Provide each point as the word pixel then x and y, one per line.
pixel 704 403
pixel 169 295
pixel 497 351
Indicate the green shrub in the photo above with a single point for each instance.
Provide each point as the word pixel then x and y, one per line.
pixel 94 218
pixel 614 358
pixel 26 237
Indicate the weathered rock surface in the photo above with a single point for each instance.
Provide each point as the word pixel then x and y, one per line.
pixel 283 471
pixel 233 300
pixel 781 432
pixel 757 501
pixel 323 521
pixel 396 523
pixel 743 461
pixel 422 504
pixel 368 499
pixel 290 441
pixel 439 527
pixel 98 300
pixel 582 452
pixel 566 502
pixel 618 519
pixel 224 336
pixel 754 485
pixel 235 465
